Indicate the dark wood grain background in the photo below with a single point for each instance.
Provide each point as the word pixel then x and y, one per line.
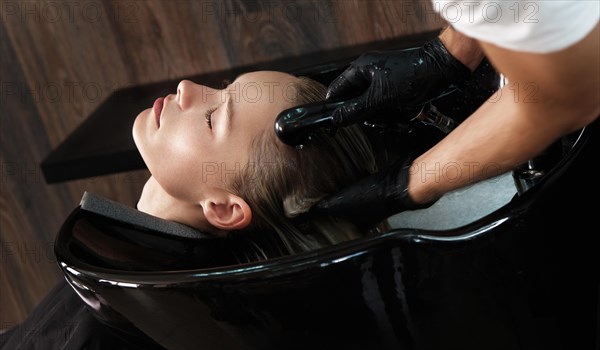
pixel 61 59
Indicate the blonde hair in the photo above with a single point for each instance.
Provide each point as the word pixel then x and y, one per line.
pixel 282 181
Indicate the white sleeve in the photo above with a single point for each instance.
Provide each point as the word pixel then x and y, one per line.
pixel 531 26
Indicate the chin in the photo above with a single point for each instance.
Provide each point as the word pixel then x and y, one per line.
pixel 137 130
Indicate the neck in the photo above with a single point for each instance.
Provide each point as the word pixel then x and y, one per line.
pixel 154 200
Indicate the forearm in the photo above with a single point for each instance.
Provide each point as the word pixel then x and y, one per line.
pixel 548 96
pixel 499 136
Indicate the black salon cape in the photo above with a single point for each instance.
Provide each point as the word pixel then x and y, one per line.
pixel 61 322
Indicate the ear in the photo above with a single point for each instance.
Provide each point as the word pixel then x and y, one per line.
pixel 227 212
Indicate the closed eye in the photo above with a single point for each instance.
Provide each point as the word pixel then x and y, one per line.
pixel 208 116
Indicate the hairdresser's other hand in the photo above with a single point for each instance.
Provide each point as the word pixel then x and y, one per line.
pixel 373 199
pixel 394 79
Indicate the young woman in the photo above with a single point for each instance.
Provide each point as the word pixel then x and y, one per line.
pixel 218 166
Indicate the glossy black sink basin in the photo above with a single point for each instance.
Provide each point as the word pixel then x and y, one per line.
pixel 524 276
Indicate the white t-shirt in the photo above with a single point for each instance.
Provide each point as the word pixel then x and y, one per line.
pixel 532 26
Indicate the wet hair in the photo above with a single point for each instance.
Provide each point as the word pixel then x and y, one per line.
pixel 281 182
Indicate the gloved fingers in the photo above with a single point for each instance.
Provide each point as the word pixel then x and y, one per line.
pixel 352 111
pixel 363 203
pixel 339 88
pixel 352 82
pixel 381 95
pixel 346 205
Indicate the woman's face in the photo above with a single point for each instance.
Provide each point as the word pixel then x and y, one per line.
pixel 197 142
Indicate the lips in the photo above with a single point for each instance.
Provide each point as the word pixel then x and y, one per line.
pixel 157 108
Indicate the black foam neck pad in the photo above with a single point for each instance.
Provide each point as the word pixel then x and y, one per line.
pixel 123 213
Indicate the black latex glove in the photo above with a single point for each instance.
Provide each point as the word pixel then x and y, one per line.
pixel 371 200
pixel 400 79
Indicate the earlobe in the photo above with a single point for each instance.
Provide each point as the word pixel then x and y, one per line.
pixel 228 214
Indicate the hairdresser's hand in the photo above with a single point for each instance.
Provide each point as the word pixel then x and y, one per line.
pixel 400 79
pixel 372 199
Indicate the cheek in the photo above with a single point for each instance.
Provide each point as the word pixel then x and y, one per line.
pixel 178 162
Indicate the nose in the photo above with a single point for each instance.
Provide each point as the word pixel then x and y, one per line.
pixel 189 93
pixel 183 91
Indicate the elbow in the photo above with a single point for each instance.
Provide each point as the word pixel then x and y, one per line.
pixel 572 112
pixel 584 112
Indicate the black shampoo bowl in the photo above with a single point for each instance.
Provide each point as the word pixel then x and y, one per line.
pixel 524 276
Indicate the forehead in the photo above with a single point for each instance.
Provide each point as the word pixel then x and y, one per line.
pixel 263 76
pixel 266 87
